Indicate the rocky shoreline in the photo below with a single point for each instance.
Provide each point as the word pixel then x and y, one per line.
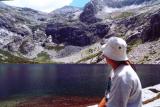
pixel 151 98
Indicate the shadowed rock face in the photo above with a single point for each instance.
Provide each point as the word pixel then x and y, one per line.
pixel 67 34
pixel 152 32
pixel 73 36
pixel 99 29
pixel 88 14
pixel 77 35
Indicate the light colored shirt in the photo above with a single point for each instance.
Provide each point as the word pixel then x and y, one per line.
pixel 126 89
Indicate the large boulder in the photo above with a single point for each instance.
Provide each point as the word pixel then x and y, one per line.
pixel 26 47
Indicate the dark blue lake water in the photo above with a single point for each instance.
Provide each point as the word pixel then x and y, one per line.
pixel 81 80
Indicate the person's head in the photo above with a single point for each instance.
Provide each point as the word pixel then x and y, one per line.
pixel 115 50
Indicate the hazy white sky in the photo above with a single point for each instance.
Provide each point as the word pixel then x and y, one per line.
pixel 42 5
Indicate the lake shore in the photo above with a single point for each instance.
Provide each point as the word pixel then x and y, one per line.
pixel 59 101
pixel 151 98
pixel 49 101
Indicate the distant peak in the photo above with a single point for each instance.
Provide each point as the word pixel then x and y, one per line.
pixel 66 9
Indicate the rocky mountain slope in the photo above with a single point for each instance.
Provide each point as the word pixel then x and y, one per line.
pixel 122 3
pixel 74 35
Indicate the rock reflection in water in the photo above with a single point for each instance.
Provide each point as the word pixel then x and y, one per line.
pixel 73 84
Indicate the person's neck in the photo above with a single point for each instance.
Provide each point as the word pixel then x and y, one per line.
pixel 113 63
pixel 114 67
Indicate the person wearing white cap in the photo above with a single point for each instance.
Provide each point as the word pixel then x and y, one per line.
pixel 124 89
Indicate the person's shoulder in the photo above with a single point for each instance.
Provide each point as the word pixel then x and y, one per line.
pixel 127 69
pixel 126 74
pixel 124 69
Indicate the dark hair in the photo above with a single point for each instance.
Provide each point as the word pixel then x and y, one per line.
pixel 127 62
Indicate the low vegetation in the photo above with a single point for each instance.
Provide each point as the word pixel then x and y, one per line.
pixel 133 43
pixel 56 47
pixel 89 57
pixel 7 57
pixel 43 57
pixel 124 15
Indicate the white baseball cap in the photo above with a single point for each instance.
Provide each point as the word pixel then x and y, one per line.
pixel 115 48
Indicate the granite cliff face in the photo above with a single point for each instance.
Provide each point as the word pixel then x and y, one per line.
pixel 40 36
pixel 97 6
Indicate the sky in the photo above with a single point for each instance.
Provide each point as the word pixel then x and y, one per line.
pixel 79 3
pixel 47 5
